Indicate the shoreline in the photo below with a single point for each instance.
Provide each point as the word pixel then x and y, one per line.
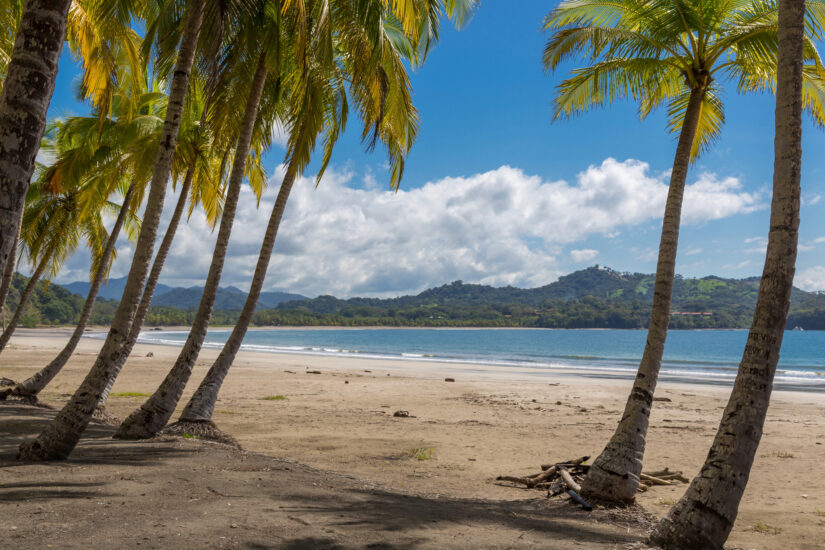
pixel 787 377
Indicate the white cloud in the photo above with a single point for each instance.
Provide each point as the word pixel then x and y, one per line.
pixel 693 251
pixel 812 278
pixel 279 135
pixel 584 255
pixel 499 227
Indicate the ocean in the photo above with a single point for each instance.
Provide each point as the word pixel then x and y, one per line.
pixel 696 356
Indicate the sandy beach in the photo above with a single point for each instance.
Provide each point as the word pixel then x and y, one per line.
pixel 461 435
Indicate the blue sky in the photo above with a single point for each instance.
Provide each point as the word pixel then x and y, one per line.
pixel 486 124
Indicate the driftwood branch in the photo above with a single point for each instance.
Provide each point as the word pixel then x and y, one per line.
pixel 654 480
pixel 568 480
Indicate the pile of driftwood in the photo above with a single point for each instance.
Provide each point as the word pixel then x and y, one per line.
pixel 566 477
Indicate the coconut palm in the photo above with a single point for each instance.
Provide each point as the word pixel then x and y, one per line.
pixel 704 516
pixel 29 69
pixel 202 154
pixel 112 157
pixel 673 52
pixel 252 47
pixel 62 434
pixel 27 91
pixel 54 223
pixel 8 276
pixel 372 48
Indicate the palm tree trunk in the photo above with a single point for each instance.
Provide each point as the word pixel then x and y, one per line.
pixel 151 284
pixel 21 305
pixel 154 275
pixel 35 384
pixel 153 415
pixel 61 435
pixel 202 403
pixel 704 516
pixel 8 272
pixel 614 475
pixel 24 102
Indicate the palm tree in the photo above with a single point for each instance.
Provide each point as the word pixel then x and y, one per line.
pixel 155 412
pixel 103 159
pixel 704 516
pixel 8 276
pixel 202 155
pixel 54 222
pixel 27 91
pixel 675 52
pixel 29 69
pixel 386 110
pixel 62 434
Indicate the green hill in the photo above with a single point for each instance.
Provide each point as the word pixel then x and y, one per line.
pixel 596 297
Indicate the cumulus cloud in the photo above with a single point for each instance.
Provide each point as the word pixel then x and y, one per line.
pixel 811 279
pixel 499 227
pixel 584 255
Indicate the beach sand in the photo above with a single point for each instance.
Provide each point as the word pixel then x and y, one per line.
pixel 459 436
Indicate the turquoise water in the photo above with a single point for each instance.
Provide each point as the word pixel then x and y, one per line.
pixel 707 356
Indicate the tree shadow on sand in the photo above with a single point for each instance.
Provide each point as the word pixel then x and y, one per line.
pixel 19 422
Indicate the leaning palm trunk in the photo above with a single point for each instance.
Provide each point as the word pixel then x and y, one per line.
pixel 24 102
pixel 202 403
pixel 151 284
pixel 24 300
pixel 614 476
pixel 35 384
pixel 704 516
pixel 62 434
pixel 8 273
pixel 153 415
pixel 154 276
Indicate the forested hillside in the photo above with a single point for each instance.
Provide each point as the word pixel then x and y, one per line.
pixel 596 297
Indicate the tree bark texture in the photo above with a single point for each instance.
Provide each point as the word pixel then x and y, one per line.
pixel 21 305
pixel 35 384
pixel 153 415
pixel 704 516
pixel 614 475
pixel 8 272
pixel 24 102
pixel 202 403
pixel 61 435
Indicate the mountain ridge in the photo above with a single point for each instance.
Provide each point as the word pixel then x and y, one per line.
pixel 595 297
pixel 228 297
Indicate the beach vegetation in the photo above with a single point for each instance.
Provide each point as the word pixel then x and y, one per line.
pixel 422 453
pixel 274 398
pixel 130 394
pixel 674 54
pixel 766 529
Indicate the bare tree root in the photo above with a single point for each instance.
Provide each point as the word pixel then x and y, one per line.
pixel 23 398
pixel 200 429
pixel 103 416
pixel 7 381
